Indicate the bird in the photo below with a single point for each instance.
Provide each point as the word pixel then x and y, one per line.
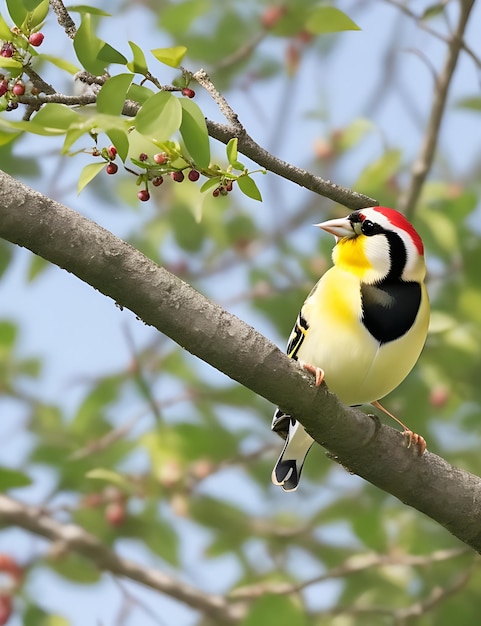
pixel 363 325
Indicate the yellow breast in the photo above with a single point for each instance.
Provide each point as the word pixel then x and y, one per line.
pixel 358 368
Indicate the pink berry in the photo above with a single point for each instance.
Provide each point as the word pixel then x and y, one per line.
pixel 112 152
pixel 177 176
pixel 188 93
pixel 36 39
pixel 143 195
pixel 7 50
pixel 3 87
pixel 157 181
pixel 18 89
pixel 160 158
pixel 115 513
pixel 112 168
pixel 193 175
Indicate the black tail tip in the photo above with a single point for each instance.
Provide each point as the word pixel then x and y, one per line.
pixel 286 475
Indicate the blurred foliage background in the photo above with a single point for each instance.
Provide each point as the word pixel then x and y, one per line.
pixel 124 433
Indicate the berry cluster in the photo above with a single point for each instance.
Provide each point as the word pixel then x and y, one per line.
pixel 12 87
pixel 155 169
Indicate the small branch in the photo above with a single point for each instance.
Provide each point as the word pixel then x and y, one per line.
pixel 247 146
pixel 224 107
pixel 424 161
pixel 437 595
pixel 63 17
pixel 352 565
pixel 74 538
pixel 259 155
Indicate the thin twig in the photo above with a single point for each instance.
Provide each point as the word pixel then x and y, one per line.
pixel 424 161
pixel 73 538
pixel 352 565
pixel 63 17
pixel 230 115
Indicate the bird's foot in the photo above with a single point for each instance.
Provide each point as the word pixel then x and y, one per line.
pixel 413 439
pixel 316 371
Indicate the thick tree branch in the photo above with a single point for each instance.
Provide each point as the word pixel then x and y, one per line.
pixel 424 161
pixel 430 484
pixel 73 538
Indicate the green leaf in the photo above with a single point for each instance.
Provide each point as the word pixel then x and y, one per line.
pixel 5 32
pixel 138 65
pixel 159 117
pixel 111 477
pixel 329 20
pixel 37 266
pixel 231 150
pixel 17 11
pixel 210 183
pixel 275 609
pixel 139 93
pixel 178 17
pixel 112 95
pixel 56 117
pixel 10 63
pixel 120 139
pixel 38 11
pixel 473 103
pixel 194 132
pixel 170 56
pixel 35 616
pixel 249 187
pixel 8 336
pixel 94 53
pixel 13 479
pixel 88 173
pixel 110 55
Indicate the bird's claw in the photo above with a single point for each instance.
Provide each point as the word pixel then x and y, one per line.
pixel 316 371
pixel 413 439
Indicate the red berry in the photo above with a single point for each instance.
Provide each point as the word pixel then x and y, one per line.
pixel 193 175
pixel 112 152
pixel 7 49
pixel 272 14
pixel 439 396
pixel 177 176
pixel 36 39
pixel 216 192
pixel 157 181
pixel 18 89
pixel 187 92
pixel 228 186
pixel 160 158
pixel 115 513
pixel 3 87
pixel 112 168
pixel 143 156
pixel 143 195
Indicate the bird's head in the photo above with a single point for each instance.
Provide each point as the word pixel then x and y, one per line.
pixel 377 244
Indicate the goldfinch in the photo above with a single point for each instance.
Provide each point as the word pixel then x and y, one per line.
pixel 363 326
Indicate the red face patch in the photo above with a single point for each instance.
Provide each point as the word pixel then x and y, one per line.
pixel 399 221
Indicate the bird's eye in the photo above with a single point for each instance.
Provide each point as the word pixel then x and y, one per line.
pixel 369 228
